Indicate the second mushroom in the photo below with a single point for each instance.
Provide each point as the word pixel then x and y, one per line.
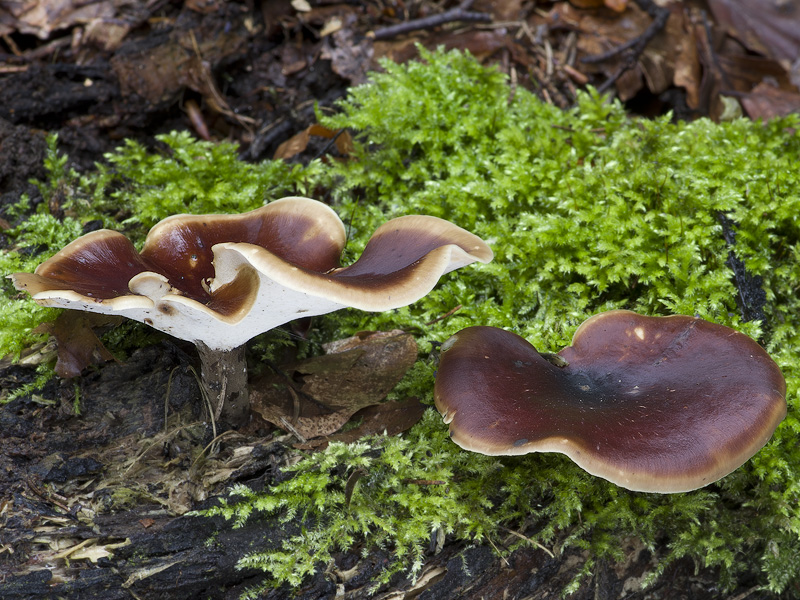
pixel 219 280
pixel 655 404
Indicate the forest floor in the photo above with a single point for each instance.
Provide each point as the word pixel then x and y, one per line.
pixel 94 505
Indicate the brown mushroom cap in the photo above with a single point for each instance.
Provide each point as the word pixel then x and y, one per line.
pixel 222 279
pixel 653 404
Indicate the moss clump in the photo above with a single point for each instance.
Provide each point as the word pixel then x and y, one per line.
pixel 586 210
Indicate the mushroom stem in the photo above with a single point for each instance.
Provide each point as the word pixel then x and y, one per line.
pixel 224 377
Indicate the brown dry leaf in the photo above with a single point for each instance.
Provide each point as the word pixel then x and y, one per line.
pixel 106 34
pixel 351 58
pixel 767 102
pixel 664 54
pixel 299 142
pixel 688 73
pixel 732 70
pixel 42 17
pixel 78 346
pixel 600 31
pixel 322 393
pixel 587 3
pixel 745 71
pixel 480 44
pixel 205 7
pixel 331 26
pixel 501 10
pixel 390 418
pixel 617 5
pixel 770 28
pixel 159 73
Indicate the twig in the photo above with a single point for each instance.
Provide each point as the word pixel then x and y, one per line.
pixel 291 429
pixel 49 498
pixel 290 383
pixel 351 485
pixel 328 145
pixel 12 45
pixel 424 481
pixel 632 49
pixel 445 315
pixel 709 46
pixel 4 68
pixel 497 551
pixel 606 85
pixel 460 13
pixel 210 444
pixel 529 540
pixel 637 44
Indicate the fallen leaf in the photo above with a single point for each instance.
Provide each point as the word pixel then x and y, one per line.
pixel 299 142
pixel 301 5
pixel 390 418
pixel 351 57
pixel 688 73
pixel 93 553
pixel 41 17
pixel 767 102
pixel 184 59
pixel 106 34
pixel 587 3
pixel 480 44
pixel 502 10
pixel 769 28
pixel 293 146
pixel 332 26
pixel 617 5
pixel 205 7
pixel 78 346
pixel 315 397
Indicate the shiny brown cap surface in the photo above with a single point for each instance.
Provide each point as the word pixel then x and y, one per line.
pixel 223 279
pixel 657 404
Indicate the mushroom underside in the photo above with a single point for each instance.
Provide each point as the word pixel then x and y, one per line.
pixel 219 280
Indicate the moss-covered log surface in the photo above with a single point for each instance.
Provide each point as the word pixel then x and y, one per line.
pixel 586 207
pixel 91 503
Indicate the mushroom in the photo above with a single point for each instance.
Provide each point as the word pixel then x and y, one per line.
pixel 652 404
pixel 219 280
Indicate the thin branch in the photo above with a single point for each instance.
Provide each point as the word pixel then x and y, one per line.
pixel 529 540
pixel 632 49
pixel 460 13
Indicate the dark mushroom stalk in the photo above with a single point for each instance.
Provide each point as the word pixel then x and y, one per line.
pixel 654 404
pixel 219 280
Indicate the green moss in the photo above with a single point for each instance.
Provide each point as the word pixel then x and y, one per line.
pixel 18 313
pixel 195 177
pixel 586 210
